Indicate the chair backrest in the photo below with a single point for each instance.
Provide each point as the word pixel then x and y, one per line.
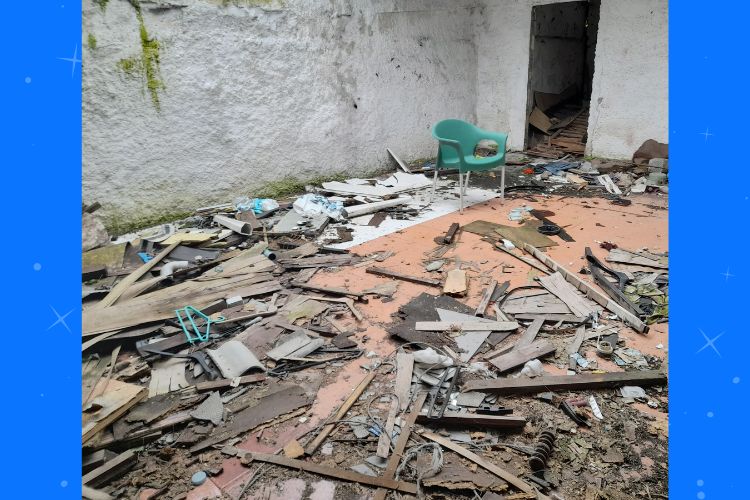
pixel 456 130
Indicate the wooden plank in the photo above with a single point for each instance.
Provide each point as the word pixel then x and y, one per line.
pixel 456 282
pixel 343 409
pixel 109 406
pixel 538 267
pixel 111 469
pixel 466 326
pixel 319 261
pixel 335 472
pixel 380 271
pixel 558 286
pixel 403 440
pixel 485 300
pixel 404 370
pixel 149 308
pixel 475 420
pixel 331 291
pixel 530 334
pixel 518 357
pixel 501 473
pixel 448 238
pixel 384 441
pixel 227 382
pixel 595 295
pixel 567 382
pixel 131 278
pixel 400 164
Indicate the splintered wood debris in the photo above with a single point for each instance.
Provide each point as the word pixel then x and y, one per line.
pixel 281 355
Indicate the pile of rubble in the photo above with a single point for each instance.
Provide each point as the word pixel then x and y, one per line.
pixel 207 343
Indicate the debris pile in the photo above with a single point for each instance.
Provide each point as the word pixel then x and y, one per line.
pixel 218 361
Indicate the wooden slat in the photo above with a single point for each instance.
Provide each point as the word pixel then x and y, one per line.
pixel 518 357
pixel 335 472
pixel 567 382
pixel 485 300
pixel 131 278
pixel 380 271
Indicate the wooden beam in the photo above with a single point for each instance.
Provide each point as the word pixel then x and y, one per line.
pixel 485 300
pixel 335 472
pixel 475 420
pixel 131 278
pixel 589 291
pixel 501 473
pixel 401 164
pixel 466 326
pixel 538 267
pixel 111 469
pixel 404 370
pixel 530 334
pixel 343 409
pixel 380 271
pixel 517 357
pixel 331 291
pixel 448 238
pixel 227 382
pixel 567 382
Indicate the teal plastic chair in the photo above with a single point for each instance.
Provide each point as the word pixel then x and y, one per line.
pixel 458 140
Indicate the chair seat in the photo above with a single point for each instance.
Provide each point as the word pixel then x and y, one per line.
pixel 471 160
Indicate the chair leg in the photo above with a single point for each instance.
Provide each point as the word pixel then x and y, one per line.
pixel 461 193
pixel 502 186
pixel 434 185
pixel 466 181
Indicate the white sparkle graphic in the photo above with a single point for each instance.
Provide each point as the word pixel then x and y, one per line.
pixel 37 266
pixel 701 495
pixel 700 482
pixel 60 319
pixel 73 60
pixel 727 275
pixel 710 414
pixel 710 342
pixel 27 79
pixel 705 134
pixel 736 380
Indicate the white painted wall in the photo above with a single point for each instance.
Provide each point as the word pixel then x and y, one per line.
pixel 267 89
pixel 630 87
pixel 255 94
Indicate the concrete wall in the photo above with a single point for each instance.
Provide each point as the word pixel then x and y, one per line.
pixel 258 90
pixel 629 97
pixel 630 91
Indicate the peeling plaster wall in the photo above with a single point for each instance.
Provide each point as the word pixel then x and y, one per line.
pixel 256 91
pixel 630 87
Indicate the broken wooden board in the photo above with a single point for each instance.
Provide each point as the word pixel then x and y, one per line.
pixel 229 382
pixel 530 334
pixel 386 436
pixel 167 375
pixel 567 382
pixel 131 278
pixel 525 260
pixel 313 445
pixel 539 120
pixel 485 299
pixel 111 469
pixel 501 473
pixel 152 307
pixel 625 257
pixel 590 292
pixel 518 357
pixel 468 342
pixel 474 420
pixel 267 408
pixel 380 271
pixel 187 238
pixel 538 303
pixel 333 260
pixel 477 326
pixel 456 282
pixel 109 405
pixel 400 163
pixel 566 292
pixel 404 370
pixel 335 472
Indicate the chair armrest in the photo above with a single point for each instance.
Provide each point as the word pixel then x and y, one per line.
pixel 454 144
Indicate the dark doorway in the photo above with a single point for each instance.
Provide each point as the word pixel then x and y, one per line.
pixel 561 69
